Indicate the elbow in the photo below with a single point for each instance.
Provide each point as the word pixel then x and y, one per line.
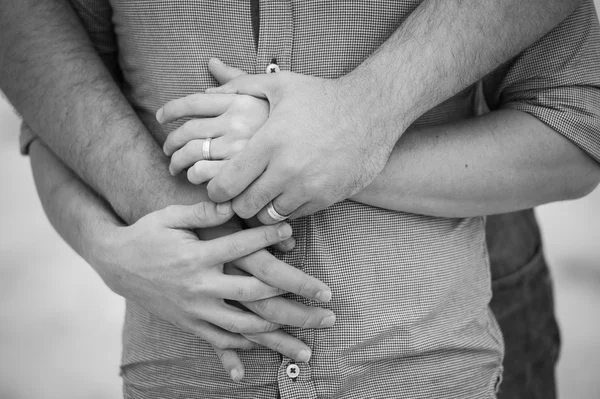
pixel 588 180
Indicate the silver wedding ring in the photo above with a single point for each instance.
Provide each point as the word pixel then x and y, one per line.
pixel 274 214
pixel 206 149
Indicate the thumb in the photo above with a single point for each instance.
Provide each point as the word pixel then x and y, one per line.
pixel 201 215
pixel 223 73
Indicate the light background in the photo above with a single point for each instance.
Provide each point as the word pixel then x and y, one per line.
pixel 60 327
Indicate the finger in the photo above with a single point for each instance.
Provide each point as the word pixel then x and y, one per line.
pixel 193 152
pixel 284 205
pixel 284 246
pixel 203 171
pixel 186 156
pixel 201 215
pixel 223 73
pixel 282 343
pixel 276 273
pixel 216 336
pixel 191 130
pixel 235 320
pixel 240 288
pixel 291 313
pixel 231 363
pixel 228 248
pixel 257 196
pixel 261 86
pixel 194 105
pixel 239 172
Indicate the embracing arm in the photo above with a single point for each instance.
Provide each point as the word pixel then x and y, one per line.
pixel 541 142
pixel 500 162
pixel 53 76
pixel 441 48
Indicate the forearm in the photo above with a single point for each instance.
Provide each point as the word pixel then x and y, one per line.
pixel 77 214
pixel 442 47
pixel 79 111
pixel 501 162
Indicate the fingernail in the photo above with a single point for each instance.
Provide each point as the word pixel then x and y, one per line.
pixel 284 231
pixel 303 356
pixel 159 115
pixel 323 296
pixel 328 321
pixel 236 375
pixel 224 208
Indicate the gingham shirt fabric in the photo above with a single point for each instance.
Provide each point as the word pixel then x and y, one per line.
pixel 410 292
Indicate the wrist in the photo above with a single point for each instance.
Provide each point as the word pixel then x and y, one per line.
pixel 379 115
pixel 100 244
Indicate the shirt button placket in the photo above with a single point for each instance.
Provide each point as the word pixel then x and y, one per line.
pixel 275 54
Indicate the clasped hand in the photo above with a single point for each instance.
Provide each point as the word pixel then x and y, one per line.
pixel 304 148
pixel 164 267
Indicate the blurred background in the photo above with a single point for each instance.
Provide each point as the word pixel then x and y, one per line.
pixel 60 327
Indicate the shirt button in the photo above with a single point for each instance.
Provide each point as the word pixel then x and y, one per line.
pixel 272 68
pixel 293 371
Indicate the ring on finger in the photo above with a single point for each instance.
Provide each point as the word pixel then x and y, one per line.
pixel 206 149
pixel 274 214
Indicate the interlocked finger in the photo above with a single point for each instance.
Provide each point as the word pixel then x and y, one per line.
pixel 194 105
pixel 291 313
pixel 283 343
pixel 240 288
pixel 193 130
pixel 203 171
pixel 196 150
pixel 276 273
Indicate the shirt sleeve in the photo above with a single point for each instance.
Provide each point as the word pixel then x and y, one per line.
pixel 557 80
pixel 96 17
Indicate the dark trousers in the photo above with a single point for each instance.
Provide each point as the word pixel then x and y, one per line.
pixel 523 305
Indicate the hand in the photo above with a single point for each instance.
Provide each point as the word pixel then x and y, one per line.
pixel 165 268
pixel 315 149
pixel 230 120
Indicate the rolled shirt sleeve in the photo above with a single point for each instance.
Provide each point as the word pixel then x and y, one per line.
pixel 557 80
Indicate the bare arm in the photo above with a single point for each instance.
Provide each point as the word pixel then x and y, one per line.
pixel 159 251
pixel 441 48
pixel 54 78
pixel 500 162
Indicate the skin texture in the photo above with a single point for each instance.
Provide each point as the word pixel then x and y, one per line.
pixel 372 104
pixel 54 78
pixel 500 162
pixel 84 119
pixel 160 252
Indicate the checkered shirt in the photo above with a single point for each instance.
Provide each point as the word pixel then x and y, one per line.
pixel 411 292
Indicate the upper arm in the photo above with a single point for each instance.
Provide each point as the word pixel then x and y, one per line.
pixel 557 80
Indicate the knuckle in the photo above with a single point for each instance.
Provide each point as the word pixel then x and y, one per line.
pixel 305 320
pixel 241 293
pixel 264 309
pixel 238 146
pixel 220 342
pixel 196 174
pixel 237 247
pixel 220 188
pixel 239 125
pixel 231 325
pixel 303 287
pixel 264 270
pixel 201 211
